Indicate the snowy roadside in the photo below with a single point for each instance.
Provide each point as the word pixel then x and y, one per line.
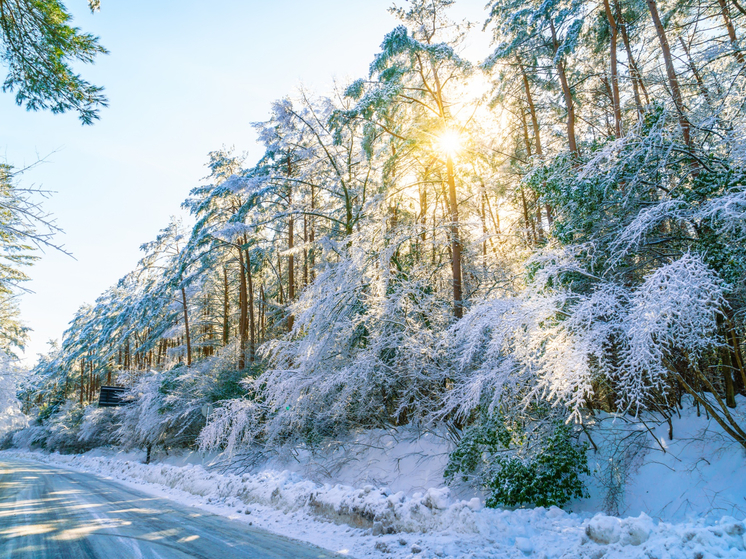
pixel 373 522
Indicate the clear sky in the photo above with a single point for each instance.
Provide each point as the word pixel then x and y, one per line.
pixel 183 77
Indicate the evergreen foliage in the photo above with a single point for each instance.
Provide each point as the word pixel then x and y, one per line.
pixel 38 45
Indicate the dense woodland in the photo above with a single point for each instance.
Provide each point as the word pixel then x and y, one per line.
pixel 554 231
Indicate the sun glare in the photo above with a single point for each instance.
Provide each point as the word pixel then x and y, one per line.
pixel 449 142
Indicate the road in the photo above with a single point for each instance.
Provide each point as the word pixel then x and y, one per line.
pixel 51 513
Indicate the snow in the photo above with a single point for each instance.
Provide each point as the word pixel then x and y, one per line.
pixel 380 494
pixel 11 417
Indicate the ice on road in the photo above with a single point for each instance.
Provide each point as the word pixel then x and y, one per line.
pixel 47 512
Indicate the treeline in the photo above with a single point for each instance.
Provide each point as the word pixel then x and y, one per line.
pixel 554 231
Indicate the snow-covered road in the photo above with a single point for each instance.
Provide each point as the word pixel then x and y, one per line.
pixel 47 512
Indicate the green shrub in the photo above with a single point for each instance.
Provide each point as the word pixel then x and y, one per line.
pixel 541 468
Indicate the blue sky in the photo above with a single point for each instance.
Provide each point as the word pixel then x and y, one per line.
pixel 183 78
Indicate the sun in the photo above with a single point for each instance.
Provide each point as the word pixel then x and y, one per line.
pixel 448 142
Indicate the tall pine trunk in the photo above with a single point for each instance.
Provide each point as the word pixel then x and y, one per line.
pixel 566 92
pixel 614 72
pixel 250 302
pixel 243 314
pixel 673 80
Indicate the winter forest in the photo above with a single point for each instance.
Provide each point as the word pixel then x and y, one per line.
pixel 502 251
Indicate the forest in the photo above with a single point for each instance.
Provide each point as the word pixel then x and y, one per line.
pixel 502 249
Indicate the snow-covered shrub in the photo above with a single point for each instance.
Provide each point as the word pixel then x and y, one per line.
pixel 99 426
pixel 674 310
pixel 63 429
pixel 162 410
pixel 166 407
pixel 231 426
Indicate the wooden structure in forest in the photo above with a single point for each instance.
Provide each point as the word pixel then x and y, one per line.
pixel 110 396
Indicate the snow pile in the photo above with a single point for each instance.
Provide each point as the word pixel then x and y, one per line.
pixel 688 469
pixel 425 525
pixel 376 508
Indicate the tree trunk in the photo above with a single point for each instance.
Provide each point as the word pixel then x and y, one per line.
pixel 186 327
pixel 673 81
pixel 458 304
pixel 82 381
pixel 697 76
pixel 291 270
pixel 529 222
pixel 731 31
pixel 634 71
pixel 566 92
pixel 250 290
pixel 614 72
pixel 226 328
pixel 311 234
pixel 532 110
pixel 243 314
pixel 305 250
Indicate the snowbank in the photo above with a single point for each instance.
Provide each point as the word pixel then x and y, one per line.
pixel 375 522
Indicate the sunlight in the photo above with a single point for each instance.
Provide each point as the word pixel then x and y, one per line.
pixel 448 142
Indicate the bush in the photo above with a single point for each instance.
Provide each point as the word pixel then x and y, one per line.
pixel 540 468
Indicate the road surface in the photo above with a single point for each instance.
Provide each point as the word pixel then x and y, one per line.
pixel 50 513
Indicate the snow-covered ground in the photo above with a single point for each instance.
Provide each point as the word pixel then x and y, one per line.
pixel 381 495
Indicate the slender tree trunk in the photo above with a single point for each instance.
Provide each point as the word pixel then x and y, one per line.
pixel 634 72
pixel 82 381
pixel 291 261
pixel 697 76
pixel 526 140
pixel 614 71
pixel 281 294
pixel 305 250
pixel 250 289
pixel 727 372
pixel 566 92
pixel 226 327
pixel 263 312
pixel 186 327
pixel 529 222
pixel 532 110
pixel 311 234
pixel 291 269
pixel 458 304
pixel 731 31
pixel 243 314
pixel 673 81
pixel 483 216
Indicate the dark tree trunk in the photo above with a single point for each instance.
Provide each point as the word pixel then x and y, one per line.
pixel 673 81
pixel 637 84
pixel 614 72
pixel 731 31
pixel 186 327
pixel 250 290
pixel 226 327
pixel 566 92
pixel 458 304
pixel 243 314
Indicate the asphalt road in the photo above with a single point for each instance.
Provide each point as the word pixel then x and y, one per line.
pixel 50 513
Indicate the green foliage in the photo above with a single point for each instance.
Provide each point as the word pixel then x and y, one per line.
pixel 552 477
pixel 38 45
pixel 500 456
